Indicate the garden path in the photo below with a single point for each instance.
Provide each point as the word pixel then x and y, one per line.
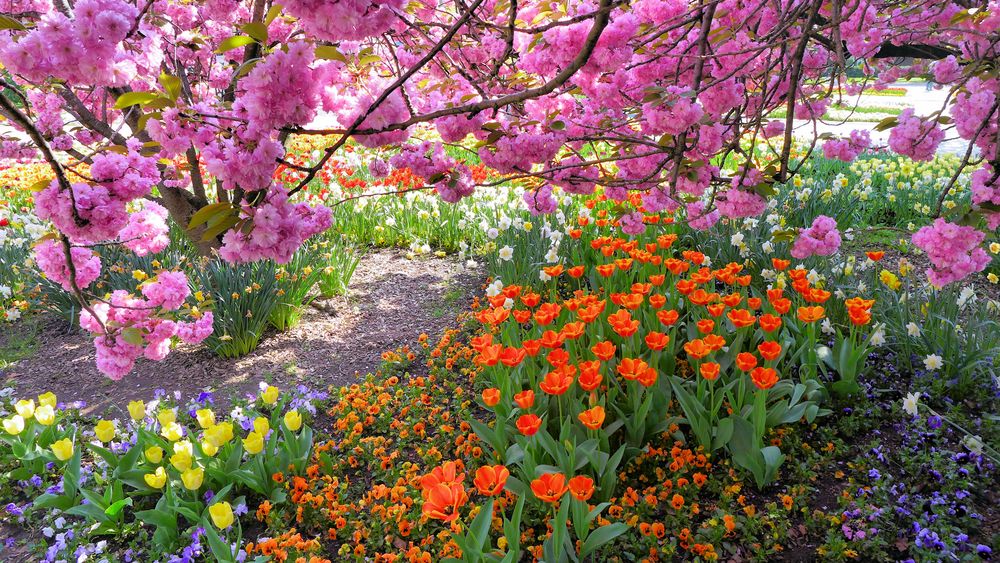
pixel 391 301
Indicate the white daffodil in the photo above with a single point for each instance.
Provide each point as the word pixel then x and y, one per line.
pixel 933 362
pixel 912 329
pixel 910 403
pixel 506 253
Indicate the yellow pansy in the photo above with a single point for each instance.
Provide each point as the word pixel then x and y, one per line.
pixel 261 425
pixel 137 410
pixel 270 395
pixel 156 479
pixel 25 408
pixel 154 454
pixel 45 415
pixel 206 417
pixel 14 425
pixel 293 420
pixel 63 449
pixel 254 443
pixel 47 398
pixel 193 478
pixel 105 431
pixel 222 515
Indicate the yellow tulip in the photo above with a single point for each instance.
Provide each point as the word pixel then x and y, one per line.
pixel 193 478
pixel 63 449
pixel 45 415
pixel 14 425
pixel 208 448
pixel 47 398
pixel 25 408
pixel 261 426
pixel 105 431
pixel 137 410
pixel 254 443
pixel 154 454
pixel 172 431
pixel 293 420
pixel 270 395
pixel 156 479
pixel 222 515
pixel 219 434
pixel 206 418
pixel 166 416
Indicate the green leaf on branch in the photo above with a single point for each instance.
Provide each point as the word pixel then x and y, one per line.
pixel 257 30
pixel 10 23
pixel 273 13
pixel 171 85
pixel 206 213
pixel 330 52
pixel 135 98
pixel 887 123
pixel 234 42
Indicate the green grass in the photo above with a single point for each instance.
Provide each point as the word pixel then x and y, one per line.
pixel 19 343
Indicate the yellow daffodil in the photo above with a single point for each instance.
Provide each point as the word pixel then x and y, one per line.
pixel 47 398
pixel 193 478
pixel 105 431
pixel 253 443
pixel 137 410
pixel 25 408
pixel 222 515
pixel 270 395
pixel 293 420
pixel 45 415
pixel 154 454
pixel 890 280
pixel 63 449
pixel 156 479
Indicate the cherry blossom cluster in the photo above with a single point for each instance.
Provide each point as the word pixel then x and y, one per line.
pixel 821 239
pixel 847 149
pixel 954 251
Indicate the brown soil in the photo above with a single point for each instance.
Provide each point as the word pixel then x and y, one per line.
pixel 391 302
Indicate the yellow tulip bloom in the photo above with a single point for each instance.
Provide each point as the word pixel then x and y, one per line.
pixel 14 425
pixel 172 431
pixel 253 443
pixel 261 426
pixel 206 418
pixel 222 515
pixel 63 449
pixel 105 430
pixel 270 395
pixel 25 408
pixel 166 416
pixel 154 454
pixel 293 420
pixel 47 398
pixel 45 415
pixel 193 478
pixel 137 410
pixel 156 479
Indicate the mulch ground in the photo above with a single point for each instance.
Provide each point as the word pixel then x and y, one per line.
pixel 391 302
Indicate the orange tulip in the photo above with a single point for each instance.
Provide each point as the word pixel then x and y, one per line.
pixel 576 271
pixel 764 378
pixel 530 299
pixel 710 370
pixel 511 357
pixel 590 375
pixel 552 339
pixel 525 399
pixel 553 271
pixel 746 361
pixel 697 349
pixel 447 473
pixel 769 322
pixel 592 418
pixel 480 342
pixel 782 306
pixel 606 270
pixel 716 309
pixel 657 340
pixel 668 317
pixel 532 347
pixel 528 424
pixel 656 301
pixel 444 501
pixel 875 256
pixel 604 350
pixel 859 317
pixel 572 331
pixel 557 357
pixel 522 316
pixel 741 318
pixel 556 382
pixel 581 487
pixel 491 396
pixel 490 355
pixel 779 264
pixel 490 479
pixel 811 314
pixel 550 487
pixel 631 369
pixel 714 341
pixel 657 279
pixel 648 377
pixel 705 326
pixel 754 303
pixel 859 303
pixel 769 350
